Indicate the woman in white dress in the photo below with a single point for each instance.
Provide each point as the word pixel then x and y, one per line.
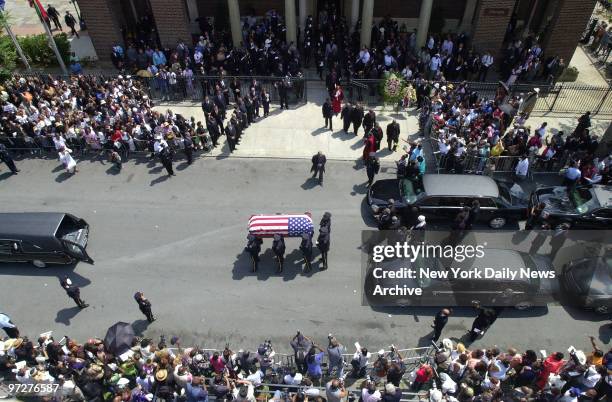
pixel 67 160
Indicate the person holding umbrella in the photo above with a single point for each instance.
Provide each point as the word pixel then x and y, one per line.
pixel 144 305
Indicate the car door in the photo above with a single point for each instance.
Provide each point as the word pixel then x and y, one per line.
pixel 428 207
pixel 77 251
pixel 10 251
pixel 488 209
pixel 599 219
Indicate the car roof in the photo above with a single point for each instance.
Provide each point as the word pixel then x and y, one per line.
pixel 29 225
pixel 460 185
pixel 604 195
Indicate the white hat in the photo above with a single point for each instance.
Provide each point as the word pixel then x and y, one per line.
pixel 390 388
pixel 436 85
pixel 581 357
pixel 536 90
pixel 68 281
pixel 447 343
pixel 421 218
pixel 435 395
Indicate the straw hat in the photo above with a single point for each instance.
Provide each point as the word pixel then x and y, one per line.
pixel 161 375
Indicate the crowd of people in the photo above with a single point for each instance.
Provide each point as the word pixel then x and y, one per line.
pixel 114 118
pixel 470 129
pixel 144 370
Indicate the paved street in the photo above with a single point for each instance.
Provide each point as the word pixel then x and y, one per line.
pixel 181 239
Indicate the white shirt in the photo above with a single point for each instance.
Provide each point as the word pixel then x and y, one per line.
pixel 367 397
pixel 297 380
pixel 364 56
pixel 256 378
pixel 435 62
pixel 59 142
pixel 159 145
pixel 487 60
pixel 522 167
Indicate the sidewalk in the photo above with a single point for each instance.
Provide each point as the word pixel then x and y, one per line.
pixel 299 132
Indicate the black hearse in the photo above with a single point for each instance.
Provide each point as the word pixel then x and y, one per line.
pixel 43 238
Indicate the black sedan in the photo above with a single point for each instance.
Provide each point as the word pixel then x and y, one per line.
pixel 586 207
pixel 588 283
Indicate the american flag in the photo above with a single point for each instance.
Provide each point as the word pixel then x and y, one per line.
pixel 287 225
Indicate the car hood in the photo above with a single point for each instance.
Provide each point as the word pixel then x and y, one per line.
pixel 384 190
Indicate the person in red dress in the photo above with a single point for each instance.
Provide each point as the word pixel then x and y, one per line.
pixel 337 98
pixel 370 146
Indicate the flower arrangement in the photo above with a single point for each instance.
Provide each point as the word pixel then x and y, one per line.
pixel 393 89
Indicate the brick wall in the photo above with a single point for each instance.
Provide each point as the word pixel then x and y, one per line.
pixel 569 21
pixel 102 26
pixel 490 22
pixel 172 21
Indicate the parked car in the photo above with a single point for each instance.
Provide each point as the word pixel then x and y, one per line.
pixel 440 198
pixel 587 283
pixel 502 290
pixel 43 238
pixel 587 207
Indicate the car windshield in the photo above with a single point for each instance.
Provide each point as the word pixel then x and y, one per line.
pixel 531 265
pixel 594 276
pixel 504 194
pixel 423 263
pixel 584 200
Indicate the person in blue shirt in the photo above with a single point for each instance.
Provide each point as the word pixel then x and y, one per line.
pixel 572 175
pixel 195 391
pixel 313 362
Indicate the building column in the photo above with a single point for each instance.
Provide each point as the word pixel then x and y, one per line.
pixel 423 26
pixel 290 21
pixel 235 25
pixel 303 16
pixel 489 26
pixel 366 22
pixel 468 16
pixel 354 14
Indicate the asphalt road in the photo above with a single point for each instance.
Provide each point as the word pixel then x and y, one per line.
pixel 181 240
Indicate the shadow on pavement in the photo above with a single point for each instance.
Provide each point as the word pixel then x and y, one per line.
pixel 310 183
pixel 57 169
pixel 5 175
pixel 140 326
pixel 360 189
pixel 58 271
pixel 318 131
pixel 182 166
pixel 62 177
pixel 65 315
pixel 160 179
pixel 268 267
pixel 578 313
pixel 113 171
pixel 605 333
pixel 366 214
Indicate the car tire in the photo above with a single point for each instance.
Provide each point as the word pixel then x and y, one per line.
pixel 38 264
pixel 601 309
pixel 559 226
pixel 497 223
pixel 523 305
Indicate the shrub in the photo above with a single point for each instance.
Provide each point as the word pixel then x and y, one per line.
pixel 8 58
pixel 570 74
pixel 40 54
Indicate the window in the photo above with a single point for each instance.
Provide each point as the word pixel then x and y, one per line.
pixel 6 246
pixel 430 202
pixel 486 203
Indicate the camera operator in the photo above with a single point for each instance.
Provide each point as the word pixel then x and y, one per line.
pixel 360 362
pixel 335 391
pixel 397 369
pixel 264 355
pixel 301 347
pixel 335 350
pixel 246 362
pixel 242 391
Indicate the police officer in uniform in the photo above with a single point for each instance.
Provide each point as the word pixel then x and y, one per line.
pixel 372 167
pixel 253 247
pixel 73 292
pixel 323 245
pixel 188 143
pixel 230 132
pixel 144 305
pixel 165 155
pixel 326 221
pixel 7 159
pixel 393 133
pixel 318 166
pixel 306 247
pixel 278 247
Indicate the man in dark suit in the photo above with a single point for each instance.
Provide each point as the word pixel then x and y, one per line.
pixel 327 111
pixel 73 292
pixel 318 166
pixel 346 115
pixel 393 133
pixel 357 117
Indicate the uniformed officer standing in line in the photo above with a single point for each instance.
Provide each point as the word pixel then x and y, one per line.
pixel 323 245
pixel 326 221
pixel 253 247
pixel 306 247
pixel 144 305
pixel 278 247
pixel 73 292
pixel 318 166
pixel 372 167
pixel 230 132
pixel 7 159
